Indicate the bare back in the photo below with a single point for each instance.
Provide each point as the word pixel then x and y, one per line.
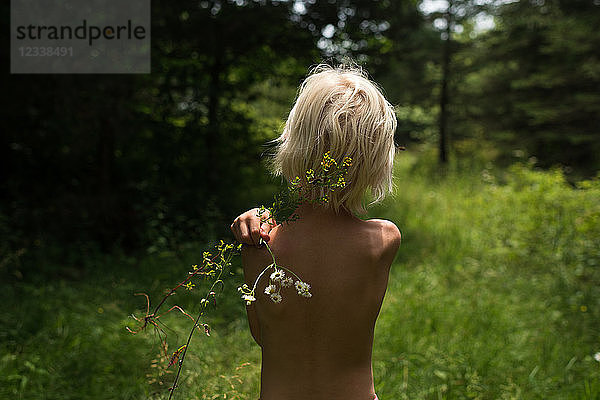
pixel 320 348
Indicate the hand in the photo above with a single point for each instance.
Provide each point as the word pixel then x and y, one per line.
pixel 248 229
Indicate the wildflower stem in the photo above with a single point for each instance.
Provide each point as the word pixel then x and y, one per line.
pixel 172 291
pixel 180 363
pixel 200 313
pixel 290 271
pixel 261 274
pixel 275 262
pixel 327 178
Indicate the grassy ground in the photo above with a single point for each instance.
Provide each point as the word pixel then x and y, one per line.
pixel 495 294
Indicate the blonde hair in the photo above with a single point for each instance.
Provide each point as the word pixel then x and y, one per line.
pixel 340 111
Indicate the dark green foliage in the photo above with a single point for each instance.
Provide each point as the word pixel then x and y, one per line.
pixel 151 160
pixel 533 83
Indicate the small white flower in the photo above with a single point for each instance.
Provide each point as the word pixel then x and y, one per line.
pixel 278 275
pixel 248 298
pixel 270 289
pixel 287 282
pixel 597 357
pixel 276 297
pixel 302 286
pixel 303 289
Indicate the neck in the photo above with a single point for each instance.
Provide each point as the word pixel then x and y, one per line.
pixel 318 211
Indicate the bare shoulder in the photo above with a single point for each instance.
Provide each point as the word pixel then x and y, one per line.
pixel 388 228
pixel 389 236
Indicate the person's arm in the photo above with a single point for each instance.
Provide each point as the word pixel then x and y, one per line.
pixel 248 229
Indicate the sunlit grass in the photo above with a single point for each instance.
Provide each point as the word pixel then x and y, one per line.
pixel 68 340
pixel 494 291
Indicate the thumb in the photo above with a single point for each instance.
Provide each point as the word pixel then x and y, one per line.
pixel 264 231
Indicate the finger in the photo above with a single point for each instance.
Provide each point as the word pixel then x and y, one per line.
pixel 240 232
pixel 265 228
pixel 255 235
pixel 235 229
pixel 264 236
pixel 254 228
pixel 266 215
pixel 246 235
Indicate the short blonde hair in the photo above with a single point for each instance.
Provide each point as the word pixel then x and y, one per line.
pixel 340 111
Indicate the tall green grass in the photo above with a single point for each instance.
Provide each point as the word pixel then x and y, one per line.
pixel 494 294
pixel 67 339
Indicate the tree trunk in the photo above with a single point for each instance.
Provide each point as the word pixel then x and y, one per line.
pixel 443 143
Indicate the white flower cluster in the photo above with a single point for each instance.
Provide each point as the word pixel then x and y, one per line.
pixel 247 294
pixel 249 298
pixel 271 290
pixel 277 280
pixel 278 275
pixel 287 282
pixel 303 289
